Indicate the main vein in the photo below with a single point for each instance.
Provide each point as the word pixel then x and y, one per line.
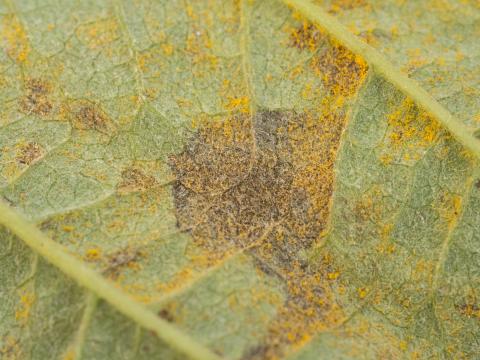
pixel 56 255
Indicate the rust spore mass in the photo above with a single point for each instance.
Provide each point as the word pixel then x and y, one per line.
pixel 251 194
pixel 230 193
pixel 306 36
pixel 262 184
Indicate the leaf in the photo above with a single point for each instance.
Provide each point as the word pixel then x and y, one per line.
pixel 238 179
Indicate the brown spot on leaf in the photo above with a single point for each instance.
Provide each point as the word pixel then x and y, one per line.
pixel 120 259
pixel 10 348
pixel 166 315
pixel 36 99
pixel 29 153
pixel 134 179
pixel 90 116
pixel 469 309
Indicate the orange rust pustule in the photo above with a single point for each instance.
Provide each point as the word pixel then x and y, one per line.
pixel 306 36
pixel 36 99
pixel 340 70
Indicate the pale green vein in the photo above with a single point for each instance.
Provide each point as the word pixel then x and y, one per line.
pixel 120 15
pixel 382 66
pixel 244 49
pixel 448 238
pixel 90 307
pixel 56 255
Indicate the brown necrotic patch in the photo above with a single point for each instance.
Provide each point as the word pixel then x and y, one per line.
pixel 36 99
pixel 266 191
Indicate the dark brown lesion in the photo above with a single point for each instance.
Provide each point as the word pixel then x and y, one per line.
pixel 228 199
pixel 37 97
pixel 166 314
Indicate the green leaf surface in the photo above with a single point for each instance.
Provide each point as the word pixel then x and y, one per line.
pixel 239 179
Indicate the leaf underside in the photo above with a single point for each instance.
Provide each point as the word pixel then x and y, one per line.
pixel 243 175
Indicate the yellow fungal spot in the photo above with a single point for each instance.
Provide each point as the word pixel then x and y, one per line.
pixel 15 40
pixel 238 103
pixel 99 33
pixel 93 254
pixel 135 179
pixel 394 30
pixel 167 49
pixel 11 349
pixel 69 355
pixel 449 206
pixel 88 115
pixel 470 310
pixel 411 132
pixel 28 153
pixel 68 228
pixel 362 292
pixel 306 36
pixel 37 97
pixel 340 5
pixel 340 70
pixel 333 275
pixel 22 312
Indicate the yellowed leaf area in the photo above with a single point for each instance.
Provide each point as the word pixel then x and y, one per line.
pixel 253 181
